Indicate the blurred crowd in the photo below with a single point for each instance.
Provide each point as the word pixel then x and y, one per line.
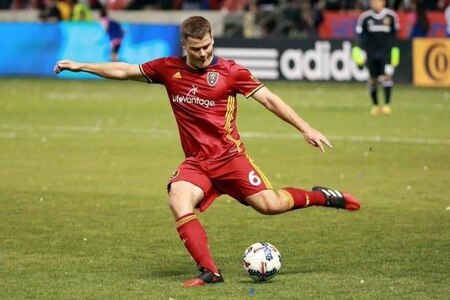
pixel 289 18
pixel 227 5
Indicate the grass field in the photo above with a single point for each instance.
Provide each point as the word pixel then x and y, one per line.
pixel 83 206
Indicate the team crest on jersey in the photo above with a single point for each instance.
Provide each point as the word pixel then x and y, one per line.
pixel 386 21
pixel 212 78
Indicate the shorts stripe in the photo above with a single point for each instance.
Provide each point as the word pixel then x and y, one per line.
pixel 263 177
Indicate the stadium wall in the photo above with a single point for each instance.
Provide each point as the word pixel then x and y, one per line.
pixel 309 60
pixel 31 49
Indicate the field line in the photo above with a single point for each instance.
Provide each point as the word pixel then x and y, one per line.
pixel 9 131
pixel 376 139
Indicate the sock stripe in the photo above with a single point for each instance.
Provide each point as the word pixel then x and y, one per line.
pixel 288 197
pixel 185 219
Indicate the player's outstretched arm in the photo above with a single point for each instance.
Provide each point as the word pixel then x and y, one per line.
pixel 112 70
pixel 277 106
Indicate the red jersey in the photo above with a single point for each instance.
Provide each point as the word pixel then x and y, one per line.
pixel 204 103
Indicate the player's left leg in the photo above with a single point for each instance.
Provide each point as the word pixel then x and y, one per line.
pixel 115 47
pixel 387 82
pixel 273 202
pixel 243 180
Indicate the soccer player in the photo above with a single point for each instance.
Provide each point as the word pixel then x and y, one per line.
pixel 376 29
pixel 115 33
pixel 202 91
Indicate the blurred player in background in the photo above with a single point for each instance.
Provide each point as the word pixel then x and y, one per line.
pixel 202 90
pixel 115 33
pixel 376 47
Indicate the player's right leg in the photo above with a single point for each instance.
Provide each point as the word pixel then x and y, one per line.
pixel 183 198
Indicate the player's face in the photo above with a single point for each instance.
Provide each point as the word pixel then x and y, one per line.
pixel 377 5
pixel 199 51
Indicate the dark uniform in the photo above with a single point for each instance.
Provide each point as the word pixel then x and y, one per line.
pixel 377 36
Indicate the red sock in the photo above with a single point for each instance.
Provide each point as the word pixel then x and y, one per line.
pixel 195 240
pixel 300 198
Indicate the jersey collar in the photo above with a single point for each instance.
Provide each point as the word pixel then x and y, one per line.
pixel 213 62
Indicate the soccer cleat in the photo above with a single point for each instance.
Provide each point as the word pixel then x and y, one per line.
pixel 205 277
pixel 337 199
pixel 375 110
pixel 386 110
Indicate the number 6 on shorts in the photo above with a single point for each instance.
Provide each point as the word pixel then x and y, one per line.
pixel 253 178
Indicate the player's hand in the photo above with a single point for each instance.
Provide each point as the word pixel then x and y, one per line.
pixel 358 56
pixel 395 57
pixel 317 139
pixel 389 70
pixel 66 65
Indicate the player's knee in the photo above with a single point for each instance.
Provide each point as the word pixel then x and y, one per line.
pixel 270 209
pixel 178 200
pixel 182 199
pixel 180 207
pixel 175 204
pixel 372 84
pixel 268 204
pixel 387 81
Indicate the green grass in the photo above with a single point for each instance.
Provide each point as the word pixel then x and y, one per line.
pixel 84 214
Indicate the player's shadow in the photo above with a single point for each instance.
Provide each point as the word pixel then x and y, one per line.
pixel 248 280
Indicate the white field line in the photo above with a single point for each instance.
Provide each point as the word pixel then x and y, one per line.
pixel 376 139
pixel 8 131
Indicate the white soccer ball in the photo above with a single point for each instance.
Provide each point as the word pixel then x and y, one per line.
pixel 262 261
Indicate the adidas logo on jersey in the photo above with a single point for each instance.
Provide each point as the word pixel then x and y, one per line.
pixel 177 75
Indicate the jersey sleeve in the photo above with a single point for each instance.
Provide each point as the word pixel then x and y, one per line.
pixel 360 31
pixel 243 81
pixel 153 70
pixel 395 27
pixel 359 28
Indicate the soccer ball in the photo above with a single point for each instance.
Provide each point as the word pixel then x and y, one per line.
pixel 261 261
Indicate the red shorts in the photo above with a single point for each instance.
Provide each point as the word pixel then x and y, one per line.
pixel 237 177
